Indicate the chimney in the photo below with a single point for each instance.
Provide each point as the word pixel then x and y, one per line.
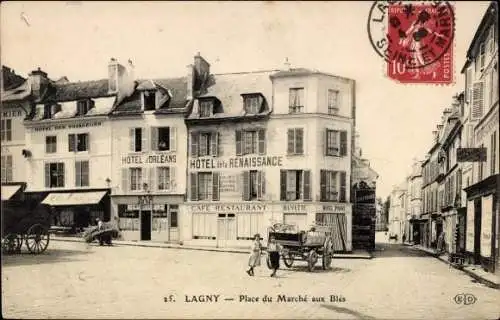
pixel 190 81
pixel 38 81
pixel 287 64
pixel 435 135
pixel 120 81
pixel 201 74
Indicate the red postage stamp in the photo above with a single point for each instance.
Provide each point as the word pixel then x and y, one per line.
pixel 415 39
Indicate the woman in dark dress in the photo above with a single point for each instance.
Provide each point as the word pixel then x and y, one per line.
pixel 273 249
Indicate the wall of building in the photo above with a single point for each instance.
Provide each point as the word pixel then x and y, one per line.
pixel 13 141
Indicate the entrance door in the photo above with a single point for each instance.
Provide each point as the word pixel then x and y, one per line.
pixel 477 230
pixel 173 228
pixel 226 229
pixel 146 225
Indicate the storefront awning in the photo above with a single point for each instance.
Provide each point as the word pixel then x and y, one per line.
pixel 73 198
pixel 9 191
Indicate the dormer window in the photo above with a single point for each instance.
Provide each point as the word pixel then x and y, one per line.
pixel 149 100
pixel 206 108
pixel 83 106
pixel 50 110
pixel 252 103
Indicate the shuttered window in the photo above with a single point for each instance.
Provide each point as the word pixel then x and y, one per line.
pixel 204 144
pixel 54 175
pixel 136 179
pixel 164 182
pixel 253 185
pixel 81 173
pixel 295 185
pixel 205 186
pixel 163 138
pixel 50 144
pixel 295 141
pixel 7 169
pixel 477 100
pixel 138 139
pixel 250 141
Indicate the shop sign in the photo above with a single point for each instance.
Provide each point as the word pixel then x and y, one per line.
pixel 486 224
pixel 365 196
pixel 229 207
pixel 236 162
pixel 157 158
pixel 76 125
pixel 471 154
pixel 294 207
pixel 332 208
pixel 145 207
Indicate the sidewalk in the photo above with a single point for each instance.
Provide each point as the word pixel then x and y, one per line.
pixel 190 246
pixel 487 278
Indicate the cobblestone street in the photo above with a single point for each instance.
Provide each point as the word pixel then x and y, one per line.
pixel 76 280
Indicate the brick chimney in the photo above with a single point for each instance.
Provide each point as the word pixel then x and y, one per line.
pixel 38 81
pixel 201 74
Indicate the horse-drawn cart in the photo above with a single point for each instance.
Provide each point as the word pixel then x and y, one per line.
pixel 307 246
pixel 21 225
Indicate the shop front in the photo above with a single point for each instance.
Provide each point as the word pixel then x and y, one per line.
pixel 74 210
pixel 338 216
pixel 148 217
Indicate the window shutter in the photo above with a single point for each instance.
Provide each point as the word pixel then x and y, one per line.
pixel 62 175
pixel 291 141
pixel 239 145
pixel 262 141
pixel 173 138
pixel 78 174
pixel 47 175
pixel 246 185
pixel 322 182
pixel 342 195
pixel 194 144
pixel 307 184
pixel 282 185
pixel 131 135
pixel 215 186
pixel 477 99
pixel 86 173
pixel 172 177
pixel 71 143
pixel 259 185
pixel 88 142
pixel 194 186
pixel 326 142
pixel 343 143
pixel 151 178
pixel 154 139
pixel 299 141
pixel 125 179
pixel 214 141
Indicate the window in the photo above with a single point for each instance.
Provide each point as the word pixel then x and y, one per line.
pixel 250 141
pixel 83 106
pixel 481 55
pixel 204 186
pixel 295 141
pixel 137 139
pixel 252 104
pixel 468 84
pixel 330 185
pixel 6 129
pixel 295 185
pixel 54 175
pixel 491 39
pixel 333 106
pixel 493 150
pixel 296 100
pixel 494 82
pixel 204 144
pixel 174 210
pixel 135 179
pixel 78 142
pixel 163 138
pixel 50 144
pixel 206 108
pixel 149 98
pixel 6 172
pixel 50 110
pixel 253 185
pixel 81 173
pixel 163 178
pixel 336 143
pixel 477 99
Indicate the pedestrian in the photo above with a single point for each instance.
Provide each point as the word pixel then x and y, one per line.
pixel 99 224
pixel 274 249
pixel 254 259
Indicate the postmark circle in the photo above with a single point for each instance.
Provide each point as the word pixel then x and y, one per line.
pixel 415 34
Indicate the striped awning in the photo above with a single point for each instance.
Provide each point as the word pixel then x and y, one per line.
pixel 9 191
pixel 73 198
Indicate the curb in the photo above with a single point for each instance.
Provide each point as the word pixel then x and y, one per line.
pixel 477 277
pixel 228 250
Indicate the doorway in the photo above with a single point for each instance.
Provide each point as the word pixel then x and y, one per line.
pixel 477 230
pixel 226 229
pixel 146 225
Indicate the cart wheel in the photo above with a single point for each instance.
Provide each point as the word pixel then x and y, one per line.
pixel 288 259
pixel 12 243
pixel 327 254
pixel 37 239
pixel 311 260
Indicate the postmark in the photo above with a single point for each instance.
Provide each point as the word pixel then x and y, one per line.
pixel 415 39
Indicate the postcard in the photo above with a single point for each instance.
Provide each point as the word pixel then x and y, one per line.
pixel 250 160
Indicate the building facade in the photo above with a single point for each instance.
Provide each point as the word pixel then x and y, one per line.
pixel 414 200
pixel 481 76
pixel 268 147
pixel 397 217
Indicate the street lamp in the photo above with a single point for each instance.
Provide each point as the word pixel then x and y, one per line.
pixel 145 199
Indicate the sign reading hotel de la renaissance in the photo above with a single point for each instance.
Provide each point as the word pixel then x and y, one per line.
pixel 236 162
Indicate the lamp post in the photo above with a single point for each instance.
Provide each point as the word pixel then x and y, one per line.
pixel 145 199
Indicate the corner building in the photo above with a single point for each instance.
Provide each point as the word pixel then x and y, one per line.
pixel 267 147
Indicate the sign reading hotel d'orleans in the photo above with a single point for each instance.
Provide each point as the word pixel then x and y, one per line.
pixel 236 162
pixel 471 154
pixel 149 158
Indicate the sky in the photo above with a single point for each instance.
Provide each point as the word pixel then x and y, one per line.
pixel 395 121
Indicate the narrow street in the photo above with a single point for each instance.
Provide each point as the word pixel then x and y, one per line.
pixel 74 280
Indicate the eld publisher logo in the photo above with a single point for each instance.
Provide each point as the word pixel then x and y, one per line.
pixel 465 299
